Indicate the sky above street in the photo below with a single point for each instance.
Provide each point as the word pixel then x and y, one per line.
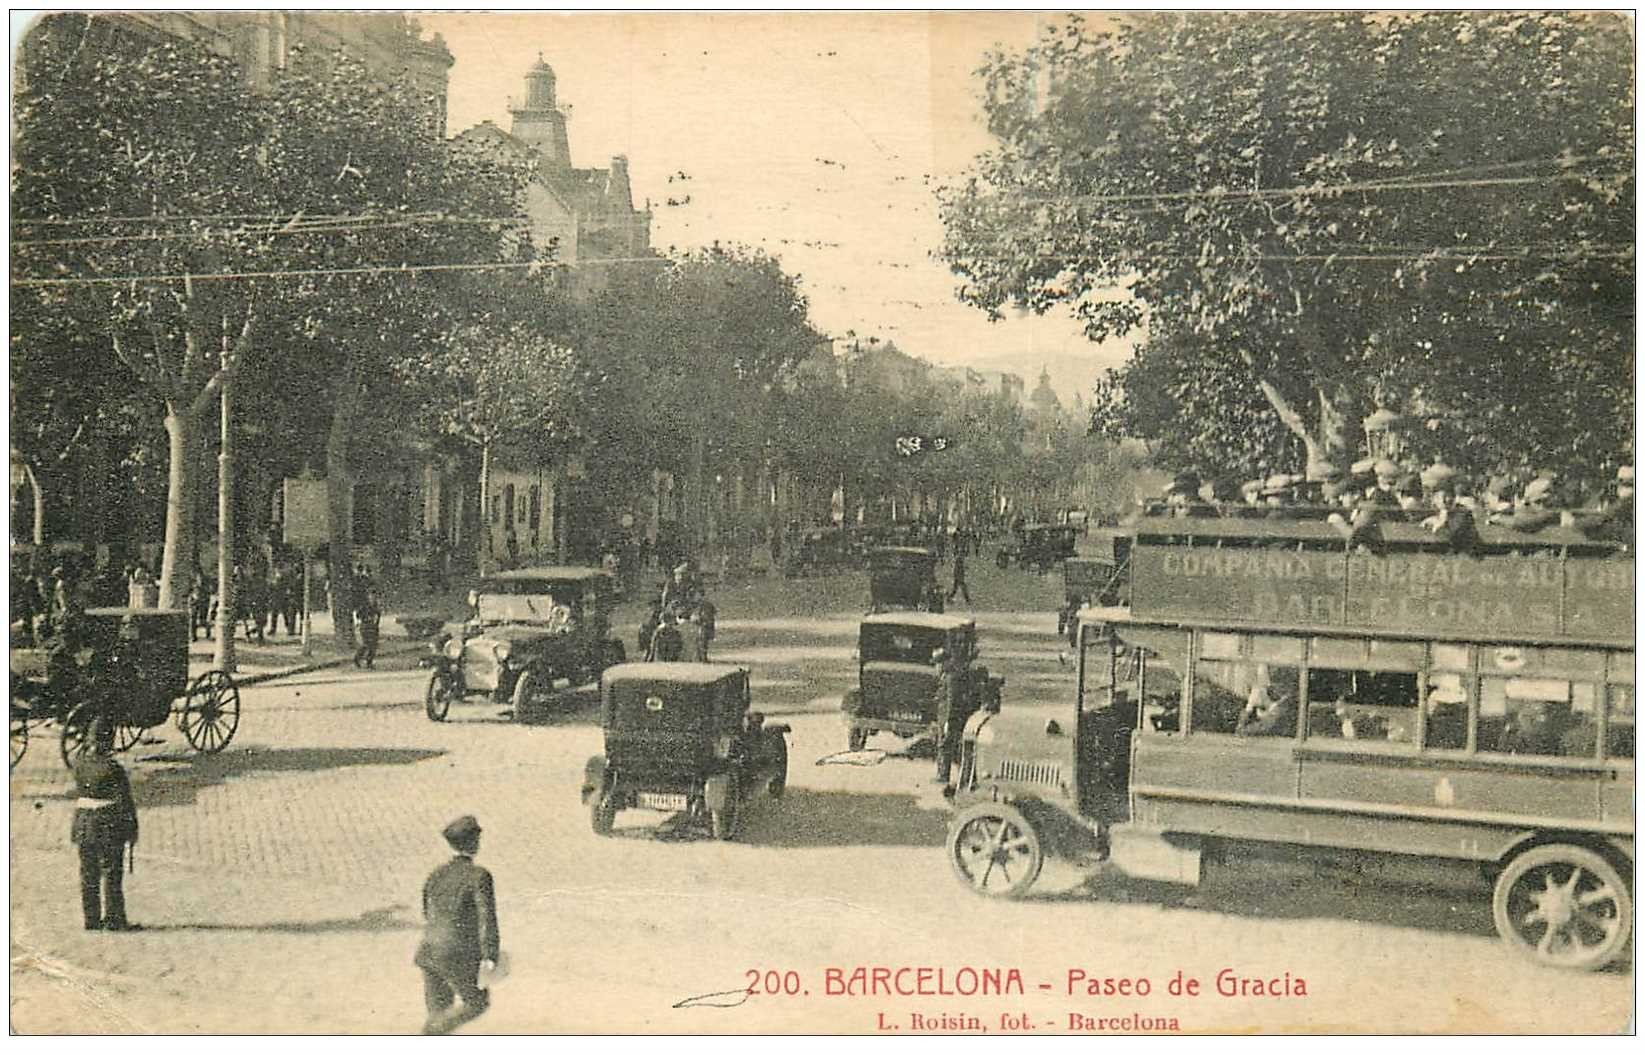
pixel 817 137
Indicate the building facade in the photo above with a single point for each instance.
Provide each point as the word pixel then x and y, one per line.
pixel 578 217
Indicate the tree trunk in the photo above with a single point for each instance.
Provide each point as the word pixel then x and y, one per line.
pixel 1293 421
pixel 340 510
pixel 39 527
pixel 696 491
pixel 1334 427
pixel 177 566
pixel 482 553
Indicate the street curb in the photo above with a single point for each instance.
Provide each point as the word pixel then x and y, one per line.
pixel 287 672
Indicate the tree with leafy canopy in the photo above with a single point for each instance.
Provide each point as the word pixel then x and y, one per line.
pixel 134 179
pixel 502 384
pixel 694 353
pixel 1311 215
pixel 377 196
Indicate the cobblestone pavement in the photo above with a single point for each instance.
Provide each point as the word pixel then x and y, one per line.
pixel 279 880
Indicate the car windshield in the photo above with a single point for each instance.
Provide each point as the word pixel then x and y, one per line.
pixel 516 607
pixel 901 644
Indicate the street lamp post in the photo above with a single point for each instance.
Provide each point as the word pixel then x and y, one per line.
pixel 225 523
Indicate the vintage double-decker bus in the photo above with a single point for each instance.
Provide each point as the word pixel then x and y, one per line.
pixel 1267 688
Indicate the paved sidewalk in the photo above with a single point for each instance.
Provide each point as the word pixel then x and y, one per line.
pixel 280 654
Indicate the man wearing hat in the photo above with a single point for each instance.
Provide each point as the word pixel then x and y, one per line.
pixel 1450 521
pixel 1251 492
pixel 1615 522
pixel 681 591
pixel 1279 494
pixel 1531 512
pixel 1182 498
pixel 460 933
pixel 105 821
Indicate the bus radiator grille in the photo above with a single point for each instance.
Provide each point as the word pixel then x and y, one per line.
pixel 1046 773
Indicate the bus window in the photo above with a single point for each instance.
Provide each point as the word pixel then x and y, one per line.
pixel 1538 716
pixel 1447 725
pixel 1619 736
pixel 1246 697
pixel 1166 658
pixel 1362 705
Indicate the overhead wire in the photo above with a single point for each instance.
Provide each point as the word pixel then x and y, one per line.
pixel 374 269
pixel 269 230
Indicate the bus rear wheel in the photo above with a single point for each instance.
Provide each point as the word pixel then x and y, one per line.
pixel 1564 906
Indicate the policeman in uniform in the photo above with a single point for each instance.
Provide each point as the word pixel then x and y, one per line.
pixel 105 821
pixel 460 933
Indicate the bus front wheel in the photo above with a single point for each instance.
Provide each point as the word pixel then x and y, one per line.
pixel 995 850
pixel 1563 906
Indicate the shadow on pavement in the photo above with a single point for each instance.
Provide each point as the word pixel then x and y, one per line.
pixel 380 919
pixel 1253 894
pixel 807 818
pixel 180 785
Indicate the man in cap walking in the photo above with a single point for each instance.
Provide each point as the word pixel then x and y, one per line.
pixel 460 934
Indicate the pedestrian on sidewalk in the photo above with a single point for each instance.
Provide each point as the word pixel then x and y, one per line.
pixel 959 586
pixel 370 615
pixel 105 821
pixel 460 932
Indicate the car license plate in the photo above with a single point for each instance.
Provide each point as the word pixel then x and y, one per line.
pixel 654 800
pixel 907 716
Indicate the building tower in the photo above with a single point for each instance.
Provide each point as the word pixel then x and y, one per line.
pixel 538 121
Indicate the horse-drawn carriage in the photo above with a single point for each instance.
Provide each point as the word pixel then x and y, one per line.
pixel 129 665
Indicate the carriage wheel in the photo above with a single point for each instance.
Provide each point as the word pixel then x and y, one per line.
pixel 211 712
pixel 19 738
pixel 126 736
pixel 76 735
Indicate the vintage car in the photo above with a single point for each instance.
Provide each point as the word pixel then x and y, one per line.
pixel 526 629
pixel 903 577
pixel 681 737
pixel 1097 580
pixel 898 658
pixel 1039 547
pixel 815 550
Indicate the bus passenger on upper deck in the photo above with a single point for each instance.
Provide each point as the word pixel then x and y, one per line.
pixel 1251 493
pixel 1279 495
pixel 1225 497
pixel 1450 521
pixel 1531 512
pixel 1182 498
pixel 1615 520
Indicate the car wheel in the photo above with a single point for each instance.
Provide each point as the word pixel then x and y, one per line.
pixel 437 698
pixel 995 850
pixel 602 811
pixel 1563 906
pixel 779 783
pixel 526 690
pixel 723 822
pixel 1003 560
pixel 858 739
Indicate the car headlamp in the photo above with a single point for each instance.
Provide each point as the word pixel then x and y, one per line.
pixel 454 649
pixel 722 747
pixel 501 650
